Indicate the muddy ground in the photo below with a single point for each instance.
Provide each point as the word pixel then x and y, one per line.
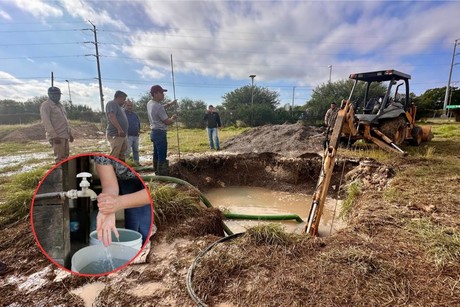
pixel 375 261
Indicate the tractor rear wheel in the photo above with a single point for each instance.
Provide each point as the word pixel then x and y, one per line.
pixel 395 129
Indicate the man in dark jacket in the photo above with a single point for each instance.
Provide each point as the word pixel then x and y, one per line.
pixel 134 127
pixel 212 119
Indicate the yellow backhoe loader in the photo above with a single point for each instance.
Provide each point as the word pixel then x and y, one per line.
pixel 386 121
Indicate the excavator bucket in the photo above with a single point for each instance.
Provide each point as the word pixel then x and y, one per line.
pixel 427 134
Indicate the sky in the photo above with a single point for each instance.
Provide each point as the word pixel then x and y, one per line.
pixel 212 47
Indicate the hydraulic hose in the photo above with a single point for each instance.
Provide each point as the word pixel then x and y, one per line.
pixel 273 217
pixel 191 269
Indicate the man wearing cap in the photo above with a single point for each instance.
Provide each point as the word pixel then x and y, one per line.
pixel 159 122
pixel 117 126
pixel 54 119
pixel 331 115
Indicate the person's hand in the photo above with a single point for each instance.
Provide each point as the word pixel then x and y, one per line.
pixel 174 117
pixel 121 133
pixel 71 139
pixel 108 203
pixel 56 141
pixel 105 225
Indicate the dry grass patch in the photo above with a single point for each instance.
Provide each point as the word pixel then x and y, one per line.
pixel 17 194
pixel 442 243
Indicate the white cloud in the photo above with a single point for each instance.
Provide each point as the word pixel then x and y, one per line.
pixel 288 42
pixel 39 8
pixel 5 15
pixel 149 73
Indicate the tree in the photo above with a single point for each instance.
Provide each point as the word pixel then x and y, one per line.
pixel 433 99
pixel 8 106
pixel 33 105
pixel 82 112
pixel 192 112
pixel 260 110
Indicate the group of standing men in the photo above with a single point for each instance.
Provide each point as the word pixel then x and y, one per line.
pixel 123 127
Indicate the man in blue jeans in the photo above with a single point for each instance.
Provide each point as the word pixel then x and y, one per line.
pixel 134 128
pixel 212 119
pixel 159 122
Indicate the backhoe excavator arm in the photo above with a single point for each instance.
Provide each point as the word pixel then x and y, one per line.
pixel 344 121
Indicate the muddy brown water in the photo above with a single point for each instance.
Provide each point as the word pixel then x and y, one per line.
pixel 257 200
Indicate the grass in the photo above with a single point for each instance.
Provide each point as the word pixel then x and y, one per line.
pixel 447 131
pixel 354 190
pixel 443 243
pixel 172 204
pixel 431 168
pixel 18 195
pixel 13 148
pixel 366 150
pixel 190 140
pixel 271 234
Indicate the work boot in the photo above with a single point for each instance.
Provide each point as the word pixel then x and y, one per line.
pixel 155 166
pixel 163 168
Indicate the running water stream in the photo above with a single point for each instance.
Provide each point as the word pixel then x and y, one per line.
pixel 109 258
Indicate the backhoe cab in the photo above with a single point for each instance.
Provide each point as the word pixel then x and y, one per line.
pixel 388 120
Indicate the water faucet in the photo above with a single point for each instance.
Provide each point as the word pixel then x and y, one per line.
pixel 73 194
pixel 84 185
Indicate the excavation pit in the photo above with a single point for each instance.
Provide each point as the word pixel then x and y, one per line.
pixel 263 184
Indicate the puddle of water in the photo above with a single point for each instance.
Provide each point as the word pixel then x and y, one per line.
pixel 89 292
pixel 19 159
pixel 255 200
pixel 35 281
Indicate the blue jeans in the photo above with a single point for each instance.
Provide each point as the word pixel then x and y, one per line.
pixel 138 219
pixel 133 144
pixel 213 138
pixel 160 144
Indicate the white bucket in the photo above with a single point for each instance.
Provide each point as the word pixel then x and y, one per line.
pixel 127 237
pixel 85 256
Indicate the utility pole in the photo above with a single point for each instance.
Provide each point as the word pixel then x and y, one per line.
pixel 70 96
pixel 330 72
pixel 446 97
pixel 252 98
pixel 98 67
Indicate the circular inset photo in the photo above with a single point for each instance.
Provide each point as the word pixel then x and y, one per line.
pixel 92 215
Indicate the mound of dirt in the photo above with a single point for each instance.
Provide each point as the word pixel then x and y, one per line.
pixel 37 133
pixel 277 138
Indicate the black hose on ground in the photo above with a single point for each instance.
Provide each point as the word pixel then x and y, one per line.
pixel 191 269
